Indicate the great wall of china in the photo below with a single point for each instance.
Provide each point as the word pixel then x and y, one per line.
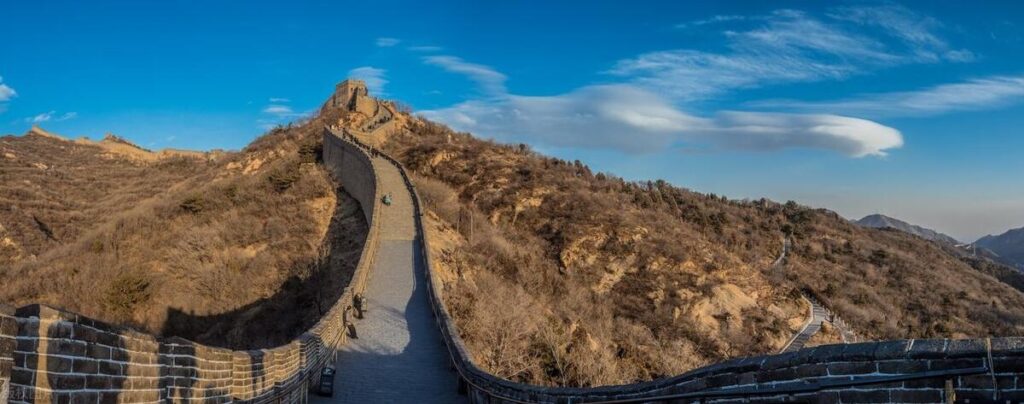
pixel 48 355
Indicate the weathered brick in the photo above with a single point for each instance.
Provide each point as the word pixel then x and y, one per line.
pixel 891 349
pixel 1015 396
pixel 812 370
pixel 26 344
pixel 119 354
pixel 902 366
pixel 932 383
pixel 56 329
pixel 776 375
pixel 84 397
pixel 23 377
pixel 778 361
pixel 111 368
pixel 851 368
pixel 107 398
pixel 864 396
pixel 25 360
pixel 916 396
pixel 60 398
pixel 85 365
pixel 66 382
pixel 67 347
pixel 928 349
pixel 960 363
pixel 108 339
pixel 975 396
pixel 28 328
pixel 1008 364
pixel 56 364
pixel 97 351
pixel 985 381
pixel 826 353
pixel 1008 346
pixel 963 348
pixel 97 382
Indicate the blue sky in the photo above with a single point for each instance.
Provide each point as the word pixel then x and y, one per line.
pixel 908 109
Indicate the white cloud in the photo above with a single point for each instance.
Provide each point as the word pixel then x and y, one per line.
pixel 968 95
pixel 6 93
pixel 916 31
pixel 387 42
pixel 425 48
pixel 278 110
pixel 279 100
pixel 714 20
pixel 490 81
pixel 853 137
pixel 789 46
pixel 631 119
pixel 373 77
pixel 51 116
pixel 43 117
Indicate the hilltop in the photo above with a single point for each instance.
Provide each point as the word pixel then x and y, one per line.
pixel 562 276
pixel 554 274
pixel 880 221
pixel 1007 247
pixel 237 249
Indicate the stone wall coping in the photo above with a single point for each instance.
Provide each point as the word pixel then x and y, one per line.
pixel 327 333
pixel 855 352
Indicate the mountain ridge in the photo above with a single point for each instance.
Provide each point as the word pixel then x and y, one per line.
pixel 1008 246
pixel 880 221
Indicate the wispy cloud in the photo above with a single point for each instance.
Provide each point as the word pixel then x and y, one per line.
pixel 385 42
pixel 279 110
pixel 6 92
pixel 982 93
pixel 714 20
pixel 51 116
pixel 634 120
pixel 915 30
pixel 490 81
pixel 277 100
pixel 373 77
pixel 425 48
pixel 789 46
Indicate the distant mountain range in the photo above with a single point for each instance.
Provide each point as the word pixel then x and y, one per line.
pixel 1008 247
pixel 882 221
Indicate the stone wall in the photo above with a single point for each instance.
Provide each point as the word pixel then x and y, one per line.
pixel 912 371
pixel 50 355
pixel 8 329
pixel 353 167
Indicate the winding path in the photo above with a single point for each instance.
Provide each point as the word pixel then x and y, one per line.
pixel 398 356
pixel 818 315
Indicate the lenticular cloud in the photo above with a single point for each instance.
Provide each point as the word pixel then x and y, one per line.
pixel 633 120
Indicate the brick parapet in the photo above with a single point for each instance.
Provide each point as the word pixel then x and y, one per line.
pixel 52 355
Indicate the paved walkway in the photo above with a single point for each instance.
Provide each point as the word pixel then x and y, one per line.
pixel 818 315
pixel 398 356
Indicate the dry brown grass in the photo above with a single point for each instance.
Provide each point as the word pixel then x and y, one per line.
pixel 234 252
pixel 566 277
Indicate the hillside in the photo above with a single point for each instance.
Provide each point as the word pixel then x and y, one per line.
pixel 879 221
pixel 558 275
pixel 1008 247
pixel 241 249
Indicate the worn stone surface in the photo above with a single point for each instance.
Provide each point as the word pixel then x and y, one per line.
pixel 398 355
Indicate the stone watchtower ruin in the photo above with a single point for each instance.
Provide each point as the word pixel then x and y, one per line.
pixel 352 95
